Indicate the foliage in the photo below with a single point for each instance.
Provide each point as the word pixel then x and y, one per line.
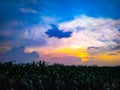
pixel 40 76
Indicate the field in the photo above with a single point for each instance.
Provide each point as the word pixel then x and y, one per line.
pixel 40 76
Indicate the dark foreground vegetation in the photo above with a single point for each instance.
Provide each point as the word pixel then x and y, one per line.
pixel 39 76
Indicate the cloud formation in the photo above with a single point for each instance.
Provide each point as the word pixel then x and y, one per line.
pixel 28 10
pixel 116 48
pixel 19 55
pixel 109 58
pixel 28 23
pixel 96 32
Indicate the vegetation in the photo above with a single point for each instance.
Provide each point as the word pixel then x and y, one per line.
pixel 40 76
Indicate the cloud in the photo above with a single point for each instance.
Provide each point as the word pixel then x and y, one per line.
pixel 98 32
pixel 109 58
pixel 38 31
pixel 92 48
pixel 112 54
pixel 15 33
pixel 28 10
pixel 55 32
pixel 19 55
pixel 116 48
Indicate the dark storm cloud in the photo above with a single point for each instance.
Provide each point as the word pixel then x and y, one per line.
pixel 55 32
pixel 119 30
pixel 116 48
pixel 113 54
pixel 93 48
pixel 19 55
pixel 117 41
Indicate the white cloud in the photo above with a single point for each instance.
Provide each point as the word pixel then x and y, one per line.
pixel 35 32
pixel 89 31
pixel 38 31
pixel 28 10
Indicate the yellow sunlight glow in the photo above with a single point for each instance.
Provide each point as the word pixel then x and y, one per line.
pixel 111 57
pixel 78 52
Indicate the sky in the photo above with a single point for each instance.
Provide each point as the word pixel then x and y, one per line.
pixel 70 32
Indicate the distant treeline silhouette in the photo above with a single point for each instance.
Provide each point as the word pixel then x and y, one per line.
pixel 40 76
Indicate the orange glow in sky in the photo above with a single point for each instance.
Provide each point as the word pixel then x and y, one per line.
pixel 78 52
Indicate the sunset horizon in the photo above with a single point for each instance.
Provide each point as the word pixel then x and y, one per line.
pixel 69 32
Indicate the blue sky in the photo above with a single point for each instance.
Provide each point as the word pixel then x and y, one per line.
pixel 64 9
pixel 42 25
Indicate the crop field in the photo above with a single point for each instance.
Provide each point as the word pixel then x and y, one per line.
pixel 41 76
